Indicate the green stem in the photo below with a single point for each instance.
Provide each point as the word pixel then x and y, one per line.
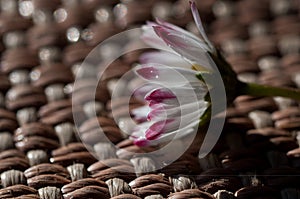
pixel 269 91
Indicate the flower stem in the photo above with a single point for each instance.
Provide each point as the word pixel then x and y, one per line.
pixel 269 91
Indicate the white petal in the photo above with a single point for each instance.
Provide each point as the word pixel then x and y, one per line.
pixel 150 37
pixel 165 58
pixel 198 22
pixel 173 124
pixel 181 93
pixel 140 114
pixel 141 92
pixel 160 113
pixel 193 50
pixel 166 75
pixel 175 134
pixel 139 130
pixel 186 94
pixel 178 29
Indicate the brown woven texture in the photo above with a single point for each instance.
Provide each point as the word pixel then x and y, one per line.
pixel 41 156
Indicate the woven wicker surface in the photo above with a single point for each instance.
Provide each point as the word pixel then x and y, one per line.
pixel 41 155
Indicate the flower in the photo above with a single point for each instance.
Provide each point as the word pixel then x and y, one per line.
pixel 174 95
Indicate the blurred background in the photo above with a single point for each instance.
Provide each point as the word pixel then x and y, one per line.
pixel 42 45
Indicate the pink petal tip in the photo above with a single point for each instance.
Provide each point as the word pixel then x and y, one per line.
pixel 148 72
pixel 141 142
pixel 159 95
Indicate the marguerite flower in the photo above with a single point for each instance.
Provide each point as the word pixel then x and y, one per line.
pixel 175 96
